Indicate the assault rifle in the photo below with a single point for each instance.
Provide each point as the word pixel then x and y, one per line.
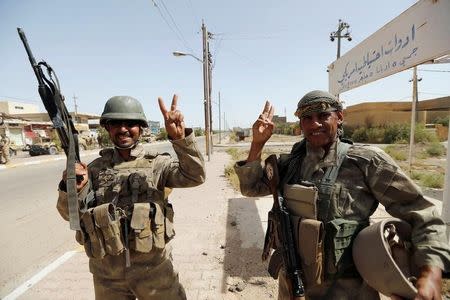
pixel 50 93
pixel 280 235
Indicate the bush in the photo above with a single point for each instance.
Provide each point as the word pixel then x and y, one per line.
pixel 422 135
pixel 395 133
pixel 234 153
pixel 435 149
pixel 348 132
pixel 162 136
pixel 433 180
pixel 375 135
pixel 395 153
pixel 441 120
pixel 105 141
pixel 199 132
pixel 360 135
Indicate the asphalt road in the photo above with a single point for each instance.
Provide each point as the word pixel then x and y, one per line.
pixel 32 232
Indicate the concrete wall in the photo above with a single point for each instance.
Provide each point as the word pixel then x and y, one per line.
pixel 12 108
pixel 382 113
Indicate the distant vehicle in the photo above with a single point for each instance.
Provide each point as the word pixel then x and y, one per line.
pixel 43 148
pixel 147 136
pixel 241 133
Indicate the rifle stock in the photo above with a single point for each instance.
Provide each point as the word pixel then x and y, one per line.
pixel 53 101
pixel 285 231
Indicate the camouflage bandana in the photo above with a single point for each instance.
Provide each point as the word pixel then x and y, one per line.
pixel 315 107
pixel 317 101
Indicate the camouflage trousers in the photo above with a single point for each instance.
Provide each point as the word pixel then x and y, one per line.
pixel 341 289
pixel 4 155
pixel 150 277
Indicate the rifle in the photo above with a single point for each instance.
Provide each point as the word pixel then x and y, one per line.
pixel 50 93
pixel 280 235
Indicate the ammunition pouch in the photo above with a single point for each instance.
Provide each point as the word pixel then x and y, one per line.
pixel 151 226
pixel 340 235
pixel 302 202
pixel 311 252
pixel 107 219
pixel 141 239
pixel 92 238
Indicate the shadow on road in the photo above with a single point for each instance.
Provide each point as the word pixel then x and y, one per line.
pixel 244 240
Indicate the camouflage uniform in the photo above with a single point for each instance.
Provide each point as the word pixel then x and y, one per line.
pixel 4 149
pixel 367 177
pixel 141 180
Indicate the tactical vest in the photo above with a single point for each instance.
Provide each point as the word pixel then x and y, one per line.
pixel 338 233
pixel 130 212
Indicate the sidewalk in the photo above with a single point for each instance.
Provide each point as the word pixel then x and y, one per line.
pixel 217 248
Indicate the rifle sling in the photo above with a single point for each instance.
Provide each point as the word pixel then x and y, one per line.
pixel 72 196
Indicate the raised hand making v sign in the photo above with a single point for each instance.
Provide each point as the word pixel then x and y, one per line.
pixel 262 131
pixel 173 119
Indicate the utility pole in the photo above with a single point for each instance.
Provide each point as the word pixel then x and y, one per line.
pixel 211 144
pixel 76 106
pixel 413 118
pixel 338 34
pixel 415 80
pixel 206 91
pixel 220 126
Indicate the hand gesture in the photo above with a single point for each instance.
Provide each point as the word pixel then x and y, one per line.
pixel 173 119
pixel 263 126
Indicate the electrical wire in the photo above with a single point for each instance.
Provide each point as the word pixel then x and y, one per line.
pixel 176 31
pixel 441 71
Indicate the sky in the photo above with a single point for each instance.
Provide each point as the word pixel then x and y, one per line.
pixel 262 50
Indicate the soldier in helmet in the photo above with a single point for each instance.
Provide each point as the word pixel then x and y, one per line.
pixel 350 182
pixel 126 219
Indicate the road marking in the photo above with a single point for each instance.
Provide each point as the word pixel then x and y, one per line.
pixel 40 275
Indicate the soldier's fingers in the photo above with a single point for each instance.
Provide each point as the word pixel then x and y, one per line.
pixel 180 117
pixel 173 107
pixel 266 107
pixel 271 112
pixel 162 107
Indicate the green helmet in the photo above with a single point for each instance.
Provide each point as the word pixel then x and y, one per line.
pixel 123 108
pixel 317 101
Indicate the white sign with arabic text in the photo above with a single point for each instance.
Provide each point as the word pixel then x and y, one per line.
pixel 418 35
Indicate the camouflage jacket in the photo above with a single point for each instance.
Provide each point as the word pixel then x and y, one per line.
pixel 367 177
pixel 159 171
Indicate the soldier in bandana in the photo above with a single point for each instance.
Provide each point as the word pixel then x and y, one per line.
pixel 365 176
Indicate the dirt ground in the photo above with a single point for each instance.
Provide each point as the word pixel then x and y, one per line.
pixel 419 164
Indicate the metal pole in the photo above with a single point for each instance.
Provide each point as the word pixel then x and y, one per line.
pixel 211 134
pixel 446 197
pixel 206 90
pixel 413 118
pixel 220 126
pixel 339 41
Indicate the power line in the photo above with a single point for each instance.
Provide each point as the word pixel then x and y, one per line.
pixel 177 30
pixel 438 94
pixel 442 71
